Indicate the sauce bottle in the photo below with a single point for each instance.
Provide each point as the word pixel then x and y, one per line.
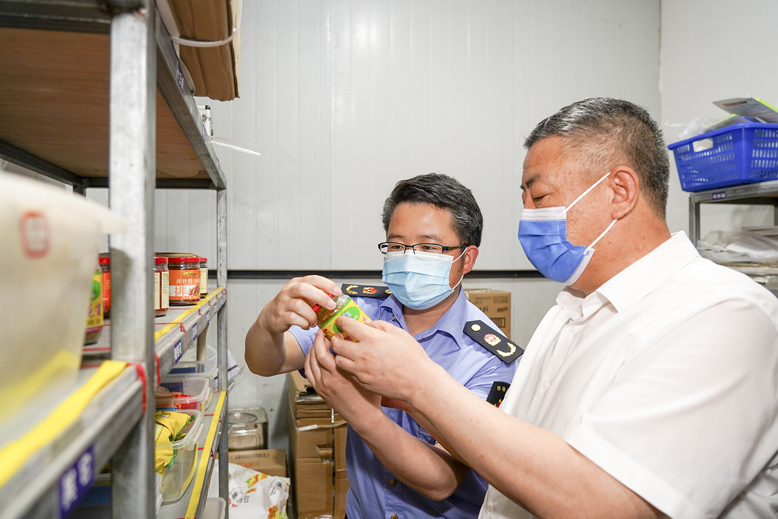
pixel 344 306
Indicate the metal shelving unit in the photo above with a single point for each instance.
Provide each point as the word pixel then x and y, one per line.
pixel 92 95
pixel 761 193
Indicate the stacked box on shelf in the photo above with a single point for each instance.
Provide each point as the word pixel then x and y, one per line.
pixel 317 444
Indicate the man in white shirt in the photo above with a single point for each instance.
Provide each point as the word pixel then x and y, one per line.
pixel 649 390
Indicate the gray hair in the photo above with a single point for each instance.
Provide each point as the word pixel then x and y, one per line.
pixel 444 192
pixel 603 132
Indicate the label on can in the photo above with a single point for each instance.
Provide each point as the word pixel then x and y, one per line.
pixel 106 292
pixel 350 310
pixel 165 295
pixel 94 319
pixel 203 282
pixel 184 285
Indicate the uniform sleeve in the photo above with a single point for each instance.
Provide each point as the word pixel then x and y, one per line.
pixel 690 426
pixel 304 337
pixel 493 371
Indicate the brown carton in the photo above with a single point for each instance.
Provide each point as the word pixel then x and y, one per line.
pixel 317 453
pixel 496 304
pixel 268 461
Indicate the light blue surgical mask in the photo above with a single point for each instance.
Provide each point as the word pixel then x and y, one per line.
pixel 419 280
pixel 543 236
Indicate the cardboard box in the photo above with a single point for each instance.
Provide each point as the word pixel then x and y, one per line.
pixel 496 304
pixel 268 461
pixel 317 453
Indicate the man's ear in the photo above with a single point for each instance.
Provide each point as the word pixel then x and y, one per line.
pixel 471 253
pixel 626 191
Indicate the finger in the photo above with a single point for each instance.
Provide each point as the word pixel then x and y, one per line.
pixel 310 374
pixel 321 352
pixel 382 325
pixel 322 283
pixel 354 328
pixel 344 348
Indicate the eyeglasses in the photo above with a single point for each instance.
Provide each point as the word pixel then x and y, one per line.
pixel 433 248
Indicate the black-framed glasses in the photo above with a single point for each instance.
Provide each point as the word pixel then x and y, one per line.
pixel 432 248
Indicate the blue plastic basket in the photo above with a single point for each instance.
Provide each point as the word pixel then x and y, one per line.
pixel 737 154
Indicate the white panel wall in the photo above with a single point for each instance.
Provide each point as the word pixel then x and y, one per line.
pixel 343 98
pixel 712 50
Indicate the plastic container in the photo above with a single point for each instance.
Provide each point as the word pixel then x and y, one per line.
pixel 247 429
pixel 49 242
pixel 179 475
pixel 198 390
pixel 203 278
pixel 215 508
pixel 208 369
pixel 161 286
pixel 105 266
pixel 184 280
pixel 734 155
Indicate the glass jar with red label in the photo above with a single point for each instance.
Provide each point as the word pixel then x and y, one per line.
pixel 161 287
pixel 105 267
pixel 203 278
pixel 184 274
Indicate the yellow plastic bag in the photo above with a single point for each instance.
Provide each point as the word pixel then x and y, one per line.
pixel 168 428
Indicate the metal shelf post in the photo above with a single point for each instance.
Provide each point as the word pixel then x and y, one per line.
pixel 221 280
pixel 132 169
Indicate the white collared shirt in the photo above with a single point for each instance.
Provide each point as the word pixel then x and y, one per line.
pixel 666 377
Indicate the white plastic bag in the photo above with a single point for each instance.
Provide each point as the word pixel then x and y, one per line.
pixel 252 494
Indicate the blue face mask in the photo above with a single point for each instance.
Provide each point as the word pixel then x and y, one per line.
pixel 543 236
pixel 419 280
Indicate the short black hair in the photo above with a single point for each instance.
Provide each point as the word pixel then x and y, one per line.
pixel 445 192
pixel 604 132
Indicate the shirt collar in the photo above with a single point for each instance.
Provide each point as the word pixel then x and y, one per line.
pixel 451 323
pixel 634 282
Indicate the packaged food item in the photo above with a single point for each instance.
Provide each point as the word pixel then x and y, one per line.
pixel 94 319
pixel 203 278
pixel 105 266
pixel 344 306
pixel 161 286
pixel 184 275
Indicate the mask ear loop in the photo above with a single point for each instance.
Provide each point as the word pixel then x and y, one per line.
pixel 463 276
pixel 587 191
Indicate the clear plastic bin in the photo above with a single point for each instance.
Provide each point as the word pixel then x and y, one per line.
pixel 49 242
pixel 198 389
pixel 179 475
pixel 197 368
pixel 215 508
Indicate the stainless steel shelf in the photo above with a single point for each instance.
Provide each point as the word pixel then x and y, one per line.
pixel 37 489
pixel 175 333
pixel 39 35
pixel 759 193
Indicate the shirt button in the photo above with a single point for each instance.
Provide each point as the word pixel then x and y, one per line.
pixel 392 482
pixel 545 384
pixel 393 516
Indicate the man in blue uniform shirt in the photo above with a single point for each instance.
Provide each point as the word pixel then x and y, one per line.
pixel 397 469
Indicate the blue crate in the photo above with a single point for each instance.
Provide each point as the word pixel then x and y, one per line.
pixel 734 155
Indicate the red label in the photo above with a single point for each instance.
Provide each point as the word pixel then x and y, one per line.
pixel 34 230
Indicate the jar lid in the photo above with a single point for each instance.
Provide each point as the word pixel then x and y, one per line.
pixel 160 260
pixel 203 260
pixel 105 260
pixel 191 259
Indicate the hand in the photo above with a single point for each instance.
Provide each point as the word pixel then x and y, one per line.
pixel 292 305
pixel 386 360
pixel 358 406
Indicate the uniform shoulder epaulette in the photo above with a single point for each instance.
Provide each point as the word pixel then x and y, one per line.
pixel 493 341
pixel 377 291
pixel 497 393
